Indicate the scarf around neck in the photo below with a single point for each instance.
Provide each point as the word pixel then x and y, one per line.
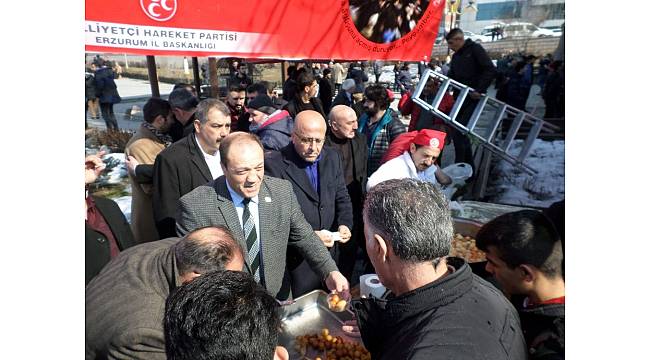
pixel 163 138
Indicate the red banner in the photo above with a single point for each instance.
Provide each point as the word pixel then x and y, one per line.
pixel 273 29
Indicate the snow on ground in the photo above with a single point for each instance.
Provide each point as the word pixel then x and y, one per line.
pixel 124 202
pixel 509 185
pixel 115 168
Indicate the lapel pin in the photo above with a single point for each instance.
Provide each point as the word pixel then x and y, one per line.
pixel 267 199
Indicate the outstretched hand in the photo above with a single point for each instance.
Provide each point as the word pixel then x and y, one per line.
pixel 94 167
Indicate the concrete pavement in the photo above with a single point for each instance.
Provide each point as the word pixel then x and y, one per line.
pixel 134 92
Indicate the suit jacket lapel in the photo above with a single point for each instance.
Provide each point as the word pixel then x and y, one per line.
pixel 266 210
pixel 298 175
pixel 229 213
pixel 199 160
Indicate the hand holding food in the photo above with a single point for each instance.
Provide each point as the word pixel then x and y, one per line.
pixel 336 302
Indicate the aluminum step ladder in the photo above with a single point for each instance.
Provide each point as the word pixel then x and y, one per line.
pixel 486 120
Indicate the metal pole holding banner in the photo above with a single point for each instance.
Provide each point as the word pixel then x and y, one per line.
pixel 197 77
pixel 153 76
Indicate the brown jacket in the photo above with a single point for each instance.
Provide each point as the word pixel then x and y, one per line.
pixel 125 303
pixel 144 146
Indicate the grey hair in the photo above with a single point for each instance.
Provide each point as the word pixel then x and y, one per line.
pixel 206 105
pixel 206 249
pixel 413 216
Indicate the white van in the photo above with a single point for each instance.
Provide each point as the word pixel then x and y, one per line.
pixel 519 30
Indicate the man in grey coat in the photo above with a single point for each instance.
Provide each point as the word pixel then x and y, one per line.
pixel 125 303
pixel 262 213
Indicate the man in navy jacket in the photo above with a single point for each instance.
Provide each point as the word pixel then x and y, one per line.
pixel 316 174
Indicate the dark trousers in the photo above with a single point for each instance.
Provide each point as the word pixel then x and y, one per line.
pixel 108 115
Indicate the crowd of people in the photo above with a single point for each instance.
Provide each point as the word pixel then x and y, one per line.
pixel 384 21
pixel 240 204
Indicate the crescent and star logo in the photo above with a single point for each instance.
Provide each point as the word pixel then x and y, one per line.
pixel 159 10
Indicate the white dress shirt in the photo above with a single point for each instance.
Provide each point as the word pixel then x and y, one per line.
pixel 238 202
pixel 213 161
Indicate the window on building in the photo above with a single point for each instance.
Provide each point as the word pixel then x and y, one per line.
pixel 555 11
pixel 502 10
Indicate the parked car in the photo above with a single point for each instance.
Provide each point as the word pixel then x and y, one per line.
pixel 476 37
pixel 487 31
pixel 557 30
pixel 519 30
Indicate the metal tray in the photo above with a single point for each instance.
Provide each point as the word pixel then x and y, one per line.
pixel 466 227
pixel 309 314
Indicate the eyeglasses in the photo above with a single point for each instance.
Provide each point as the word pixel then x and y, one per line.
pixel 309 141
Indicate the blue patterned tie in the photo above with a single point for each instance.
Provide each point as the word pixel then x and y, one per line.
pixel 252 243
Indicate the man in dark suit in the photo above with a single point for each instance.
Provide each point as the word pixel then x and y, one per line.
pixel 107 231
pixel 183 104
pixel 188 163
pixel 125 303
pixel 353 149
pixel 316 175
pixel 263 214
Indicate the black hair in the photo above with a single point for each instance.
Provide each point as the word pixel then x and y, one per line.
pixel 454 32
pixel 154 107
pixel 291 71
pixel 182 86
pixel 305 78
pixel 257 87
pixel 379 95
pixel 236 88
pixel 524 237
pixel 221 315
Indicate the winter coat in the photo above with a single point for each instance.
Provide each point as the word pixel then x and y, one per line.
pixel 105 87
pixel 296 105
pixel 90 87
pixel 518 87
pixel 275 133
pixel 144 146
pixel 359 77
pixel 404 79
pixel 98 250
pixel 538 323
pixel 459 316
pixel 472 66
pixel 325 94
pixel 391 128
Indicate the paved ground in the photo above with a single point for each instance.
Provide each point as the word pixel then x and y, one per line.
pixel 134 92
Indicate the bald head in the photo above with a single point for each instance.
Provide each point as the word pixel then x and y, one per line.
pixel 343 122
pixel 237 139
pixel 207 249
pixel 308 134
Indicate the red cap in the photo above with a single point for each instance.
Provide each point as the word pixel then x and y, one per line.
pixel 428 137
